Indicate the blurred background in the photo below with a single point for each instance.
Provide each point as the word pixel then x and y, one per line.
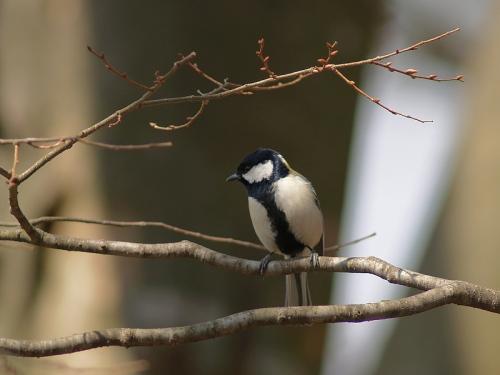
pixel 429 191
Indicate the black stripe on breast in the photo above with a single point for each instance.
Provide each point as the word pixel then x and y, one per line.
pixel 284 238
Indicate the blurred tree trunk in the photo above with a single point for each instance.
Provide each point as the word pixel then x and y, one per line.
pixel 45 91
pixel 472 220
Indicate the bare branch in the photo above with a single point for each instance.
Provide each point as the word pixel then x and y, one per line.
pixel 16 211
pixel 4 173
pixel 222 90
pixel 413 47
pixel 117 72
pixel 171 228
pixel 264 59
pixel 454 292
pixel 281 85
pixel 15 161
pixel 304 73
pixel 413 73
pixel 189 120
pixel 479 297
pixel 375 100
pixel 145 224
pixel 199 71
pixel 331 53
pixel 110 120
pixel 334 248
pixel 144 146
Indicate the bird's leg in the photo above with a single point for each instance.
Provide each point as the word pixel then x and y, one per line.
pixel 314 258
pixel 264 262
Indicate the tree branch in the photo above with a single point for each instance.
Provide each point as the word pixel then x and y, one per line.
pixel 145 146
pixel 156 224
pixel 110 120
pixel 189 120
pixel 479 297
pixel 454 292
pixel 32 232
pixel 171 228
pixel 115 70
pixel 4 173
pixel 375 100
pixel 304 73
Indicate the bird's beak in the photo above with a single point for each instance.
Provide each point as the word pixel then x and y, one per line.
pixel 233 177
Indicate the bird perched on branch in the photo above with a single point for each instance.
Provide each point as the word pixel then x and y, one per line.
pixel 285 214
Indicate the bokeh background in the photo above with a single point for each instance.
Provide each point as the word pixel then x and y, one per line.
pixel 429 191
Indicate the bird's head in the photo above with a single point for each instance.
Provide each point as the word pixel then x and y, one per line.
pixel 261 167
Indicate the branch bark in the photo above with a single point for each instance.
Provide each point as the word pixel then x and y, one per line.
pixel 475 296
pixel 454 292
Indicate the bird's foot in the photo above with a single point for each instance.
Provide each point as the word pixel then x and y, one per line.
pixel 264 262
pixel 314 260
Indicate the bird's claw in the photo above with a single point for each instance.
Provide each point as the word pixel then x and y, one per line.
pixel 264 262
pixel 314 260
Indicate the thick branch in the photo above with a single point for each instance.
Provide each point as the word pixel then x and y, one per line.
pixel 282 316
pixel 479 297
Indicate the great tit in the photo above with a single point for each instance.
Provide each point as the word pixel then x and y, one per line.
pixel 285 214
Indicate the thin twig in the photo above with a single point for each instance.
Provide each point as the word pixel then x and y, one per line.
pixel 117 72
pixel 334 248
pixel 413 73
pixel 264 59
pixel 145 146
pixel 142 224
pixel 308 72
pixel 169 227
pixel 15 161
pixel 375 100
pixel 331 53
pixel 189 120
pixel 413 47
pixel 203 74
pixel 281 85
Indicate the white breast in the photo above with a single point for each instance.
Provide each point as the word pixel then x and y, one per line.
pixel 261 224
pixel 296 198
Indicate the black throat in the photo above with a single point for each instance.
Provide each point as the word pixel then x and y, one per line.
pixel 284 238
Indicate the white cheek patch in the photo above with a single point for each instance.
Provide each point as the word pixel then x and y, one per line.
pixel 259 172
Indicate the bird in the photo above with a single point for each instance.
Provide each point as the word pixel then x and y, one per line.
pixel 285 213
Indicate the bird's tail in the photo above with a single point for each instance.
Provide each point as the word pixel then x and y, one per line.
pixel 297 290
